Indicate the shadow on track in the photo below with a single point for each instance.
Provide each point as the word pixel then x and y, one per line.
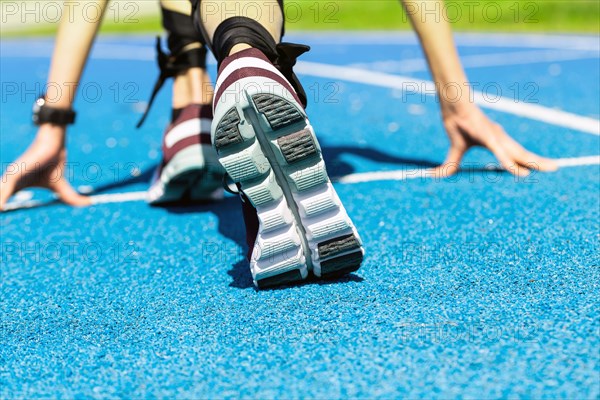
pixel 337 167
pixel 229 214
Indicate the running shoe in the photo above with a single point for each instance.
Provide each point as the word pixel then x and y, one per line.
pixel 268 147
pixel 190 170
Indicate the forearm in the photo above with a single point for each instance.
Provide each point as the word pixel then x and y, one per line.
pixel 435 35
pixel 74 40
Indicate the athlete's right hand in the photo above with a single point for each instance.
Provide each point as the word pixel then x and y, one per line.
pixel 42 165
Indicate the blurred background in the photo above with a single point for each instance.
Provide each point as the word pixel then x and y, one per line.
pixel 142 16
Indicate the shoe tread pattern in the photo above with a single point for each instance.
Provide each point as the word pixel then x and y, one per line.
pixel 336 248
pixel 278 111
pixel 227 132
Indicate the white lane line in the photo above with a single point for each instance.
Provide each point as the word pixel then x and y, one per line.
pixel 101 51
pixel 578 161
pixel 404 83
pixel 43 48
pixel 119 197
pixel 548 41
pixel 426 173
pixel 566 42
pixel 396 175
pixel 20 205
pixel 482 60
pixel 97 199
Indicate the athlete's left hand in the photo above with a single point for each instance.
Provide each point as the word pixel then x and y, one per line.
pixel 467 126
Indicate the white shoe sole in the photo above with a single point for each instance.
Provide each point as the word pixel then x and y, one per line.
pixel 188 176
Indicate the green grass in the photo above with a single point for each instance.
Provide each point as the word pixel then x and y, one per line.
pixel 483 15
pixel 577 16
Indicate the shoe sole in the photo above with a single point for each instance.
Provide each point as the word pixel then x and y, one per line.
pixel 187 177
pixel 266 144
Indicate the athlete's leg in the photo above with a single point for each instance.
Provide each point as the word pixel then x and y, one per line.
pixel 189 169
pixel 192 84
pixel 268 14
pixel 192 87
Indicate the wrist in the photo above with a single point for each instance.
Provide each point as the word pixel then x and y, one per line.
pixel 53 128
pixel 51 136
pixel 454 93
pixel 461 106
pixel 52 133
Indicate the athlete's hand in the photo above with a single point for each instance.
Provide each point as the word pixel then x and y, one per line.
pixel 42 165
pixel 467 126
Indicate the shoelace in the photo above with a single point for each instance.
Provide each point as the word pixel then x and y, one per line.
pixel 171 65
pixel 287 54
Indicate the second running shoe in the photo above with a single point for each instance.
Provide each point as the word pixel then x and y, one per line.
pixel 189 169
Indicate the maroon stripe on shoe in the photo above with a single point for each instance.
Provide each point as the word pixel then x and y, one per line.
pixel 249 73
pixel 241 54
pixel 206 111
pixel 169 153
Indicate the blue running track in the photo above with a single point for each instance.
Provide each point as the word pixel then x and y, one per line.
pixel 477 286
